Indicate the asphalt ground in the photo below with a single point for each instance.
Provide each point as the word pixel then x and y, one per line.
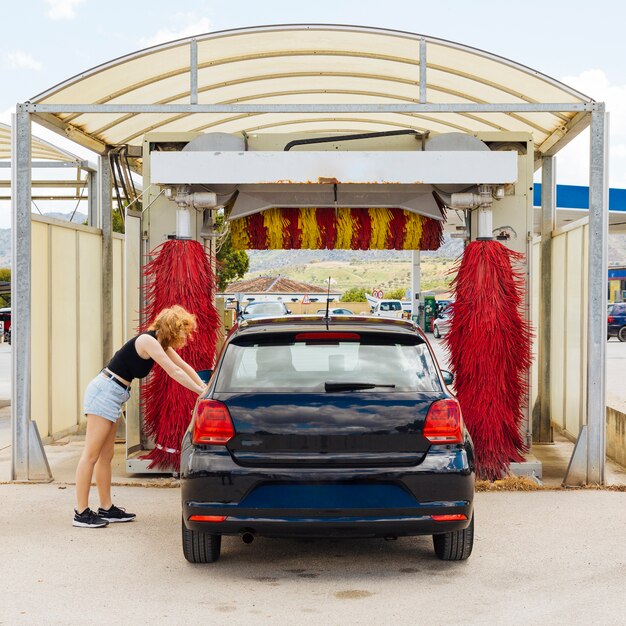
pixel 545 557
pixel 539 558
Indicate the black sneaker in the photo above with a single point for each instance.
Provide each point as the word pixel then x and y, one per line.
pixel 88 519
pixel 115 514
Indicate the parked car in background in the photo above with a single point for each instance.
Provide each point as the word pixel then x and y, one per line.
pixel 335 311
pixel 616 321
pixel 317 427
pixel 388 308
pixel 441 324
pixel 264 309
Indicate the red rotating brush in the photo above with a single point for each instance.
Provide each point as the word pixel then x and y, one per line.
pixel 489 343
pixel 180 274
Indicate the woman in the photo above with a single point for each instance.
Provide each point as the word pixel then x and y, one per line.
pixel 110 389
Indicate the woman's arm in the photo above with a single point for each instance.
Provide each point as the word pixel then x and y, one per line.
pixel 182 364
pixel 154 349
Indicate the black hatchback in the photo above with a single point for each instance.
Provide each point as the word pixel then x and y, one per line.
pixel 338 427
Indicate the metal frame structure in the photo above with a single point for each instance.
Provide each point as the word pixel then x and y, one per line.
pixel 575 117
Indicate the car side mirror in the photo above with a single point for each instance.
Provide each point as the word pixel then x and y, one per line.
pixel 448 377
pixel 205 375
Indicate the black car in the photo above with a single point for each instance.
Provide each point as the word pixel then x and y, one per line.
pixel 327 427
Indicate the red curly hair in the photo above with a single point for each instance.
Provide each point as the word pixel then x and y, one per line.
pixel 173 325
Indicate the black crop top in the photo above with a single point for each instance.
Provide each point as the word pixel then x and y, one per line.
pixel 127 364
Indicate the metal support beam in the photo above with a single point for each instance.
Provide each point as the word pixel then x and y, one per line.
pixel 20 292
pixel 416 279
pixel 92 199
pixel 105 205
pixel 598 277
pixel 472 107
pixel 28 458
pixel 423 79
pixel 193 72
pixel 542 421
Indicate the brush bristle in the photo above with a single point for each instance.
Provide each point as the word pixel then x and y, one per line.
pixel 180 273
pixel 489 343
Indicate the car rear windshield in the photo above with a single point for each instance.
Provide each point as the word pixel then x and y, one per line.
pixel 303 364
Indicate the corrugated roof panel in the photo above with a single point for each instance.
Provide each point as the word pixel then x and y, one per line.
pixel 310 64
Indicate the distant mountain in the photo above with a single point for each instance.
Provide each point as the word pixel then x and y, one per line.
pixel 272 260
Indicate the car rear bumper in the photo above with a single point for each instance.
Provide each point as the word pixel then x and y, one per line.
pixel 362 502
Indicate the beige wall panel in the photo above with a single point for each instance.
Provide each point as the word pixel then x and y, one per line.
pixel 118 293
pixel 584 318
pixel 573 323
pixel 90 311
pixel 40 332
pixel 64 319
pixel 535 283
pixel 557 367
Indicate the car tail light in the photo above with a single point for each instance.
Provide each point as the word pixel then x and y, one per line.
pixel 611 319
pixel 207 518
pixel 212 423
pixel 458 517
pixel 444 423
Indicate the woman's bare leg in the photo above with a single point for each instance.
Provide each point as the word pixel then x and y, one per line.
pixel 103 469
pixel 98 430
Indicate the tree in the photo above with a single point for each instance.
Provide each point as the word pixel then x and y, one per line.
pixel 396 294
pixel 231 264
pixel 5 274
pixel 354 295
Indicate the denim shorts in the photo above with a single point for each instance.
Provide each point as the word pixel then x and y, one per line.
pixel 104 397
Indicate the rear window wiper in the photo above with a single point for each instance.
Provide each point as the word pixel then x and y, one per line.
pixel 330 385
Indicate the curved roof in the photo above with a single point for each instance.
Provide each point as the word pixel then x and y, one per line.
pixel 312 64
pixel 40 149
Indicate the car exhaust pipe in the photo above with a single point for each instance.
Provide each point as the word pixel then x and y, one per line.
pixel 247 538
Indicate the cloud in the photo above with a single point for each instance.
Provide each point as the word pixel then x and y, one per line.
pixel 187 25
pixel 23 61
pixel 63 9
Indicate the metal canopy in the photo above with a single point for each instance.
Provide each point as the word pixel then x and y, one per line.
pixel 323 65
pixel 40 149
pixel 313 79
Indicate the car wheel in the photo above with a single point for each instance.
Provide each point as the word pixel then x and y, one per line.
pixel 621 333
pixel 200 547
pixel 436 332
pixel 455 545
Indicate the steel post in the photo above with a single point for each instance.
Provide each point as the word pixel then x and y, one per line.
pixel 21 292
pixel 193 72
pixel 92 200
pixel 105 204
pixel 598 285
pixel 542 422
pixel 423 79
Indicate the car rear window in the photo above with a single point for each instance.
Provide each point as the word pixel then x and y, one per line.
pixel 292 365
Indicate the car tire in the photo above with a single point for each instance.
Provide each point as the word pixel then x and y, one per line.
pixel 456 545
pixel 621 333
pixel 436 332
pixel 200 547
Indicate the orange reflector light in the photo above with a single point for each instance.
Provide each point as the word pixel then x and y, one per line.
pixel 207 518
pixel 457 517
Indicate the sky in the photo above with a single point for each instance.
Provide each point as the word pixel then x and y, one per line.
pixel 583 44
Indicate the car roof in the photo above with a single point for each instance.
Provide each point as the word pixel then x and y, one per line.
pixel 298 323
